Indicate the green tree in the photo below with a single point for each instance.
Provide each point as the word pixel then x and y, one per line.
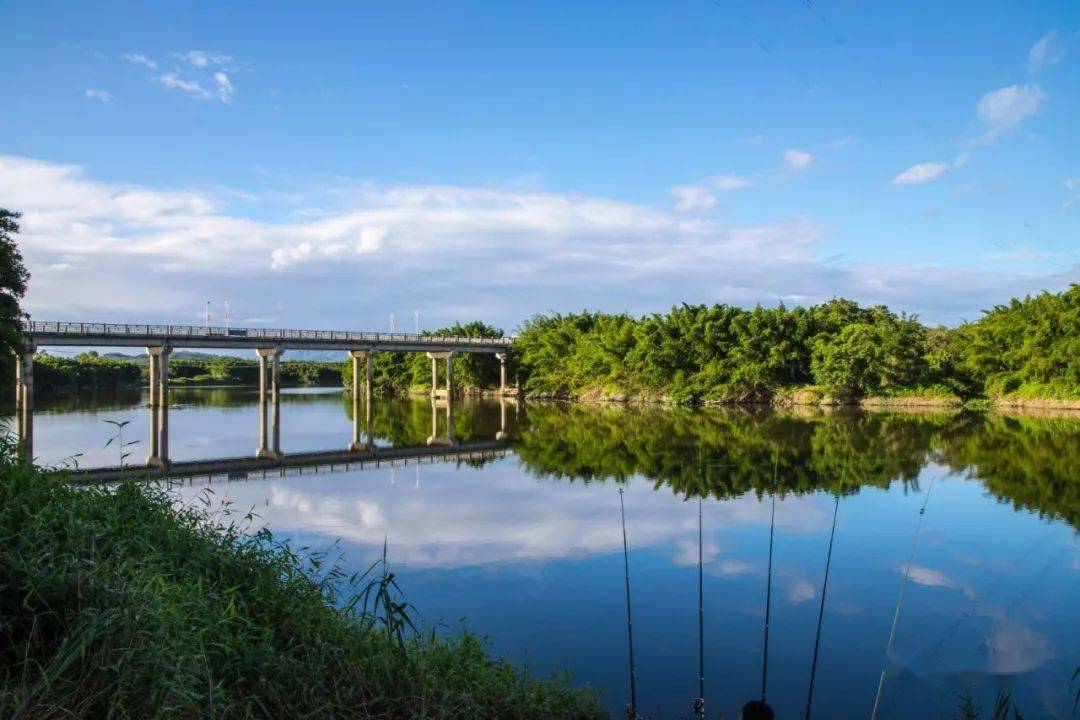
pixel 13 279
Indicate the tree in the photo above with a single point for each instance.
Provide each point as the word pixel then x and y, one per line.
pixel 13 279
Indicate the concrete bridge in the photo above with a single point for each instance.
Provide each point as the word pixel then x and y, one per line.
pixel 268 344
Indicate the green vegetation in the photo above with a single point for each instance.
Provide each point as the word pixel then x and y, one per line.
pixel 397 373
pixel 13 279
pixel 89 370
pixel 116 603
pixel 695 353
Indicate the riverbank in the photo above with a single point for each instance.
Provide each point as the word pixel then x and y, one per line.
pixel 116 601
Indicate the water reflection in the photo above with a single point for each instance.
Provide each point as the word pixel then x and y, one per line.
pixel 529 548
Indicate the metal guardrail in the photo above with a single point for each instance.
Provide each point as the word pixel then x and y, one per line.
pixel 74 329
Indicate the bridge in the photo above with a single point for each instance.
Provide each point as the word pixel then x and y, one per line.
pixel 268 344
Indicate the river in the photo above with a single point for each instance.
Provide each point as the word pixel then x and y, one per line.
pixel 527 548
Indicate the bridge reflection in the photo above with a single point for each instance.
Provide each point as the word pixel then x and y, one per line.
pixel 332 461
pixel 269 457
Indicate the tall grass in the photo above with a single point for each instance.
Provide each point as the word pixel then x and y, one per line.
pixel 114 603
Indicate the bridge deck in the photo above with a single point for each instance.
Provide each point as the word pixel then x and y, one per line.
pixel 297 463
pixel 193 336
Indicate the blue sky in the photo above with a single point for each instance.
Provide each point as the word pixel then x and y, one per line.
pixel 327 166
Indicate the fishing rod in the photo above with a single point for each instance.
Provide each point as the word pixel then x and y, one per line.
pixel 699 701
pixel 821 609
pixel 900 600
pixel 631 709
pixel 768 584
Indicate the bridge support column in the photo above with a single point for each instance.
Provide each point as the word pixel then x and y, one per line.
pixel 435 357
pixel 24 398
pixel 502 372
pixel 368 356
pixel 269 439
pixel 159 405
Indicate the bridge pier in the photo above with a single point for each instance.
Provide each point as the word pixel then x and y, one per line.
pixel 369 396
pixel 502 372
pixel 435 357
pixel 24 398
pixel 159 405
pixel 269 438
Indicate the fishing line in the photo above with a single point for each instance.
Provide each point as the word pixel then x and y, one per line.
pixel 632 708
pixel 768 585
pixel 821 609
pixel 900 599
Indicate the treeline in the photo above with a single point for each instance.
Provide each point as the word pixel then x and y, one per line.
pixel 91 370
pixel 1030 347
pixel 397 373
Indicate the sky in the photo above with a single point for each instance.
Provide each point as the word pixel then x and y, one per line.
pixel 336 164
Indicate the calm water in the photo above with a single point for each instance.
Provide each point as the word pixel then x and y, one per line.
pixel 528 548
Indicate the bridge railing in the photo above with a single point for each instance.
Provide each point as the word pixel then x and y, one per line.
pixel 74 329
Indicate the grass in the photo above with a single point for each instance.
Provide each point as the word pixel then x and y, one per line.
pixel 114 603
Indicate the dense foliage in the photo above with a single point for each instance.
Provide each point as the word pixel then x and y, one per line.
pixel 88 370
pixel 720 352
pixel 113 603
pixel 13 279
pixel 401 372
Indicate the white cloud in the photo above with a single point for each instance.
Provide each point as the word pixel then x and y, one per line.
pixel 1047 50
pixel 726 183
pixel 224 87
pixel 925 172
pixel 202 58
pixel 192 87
pixel 1005 108
pixel 140 59
pixel 797 159
pixel 510 253
pixel 100 95
pixel 689 198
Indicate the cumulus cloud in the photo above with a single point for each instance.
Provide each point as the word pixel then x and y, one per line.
pixel 691 197
pixel 1047 50
pixel 465 253
pixel 99 95
pixel 1003 109
pixel 797 159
